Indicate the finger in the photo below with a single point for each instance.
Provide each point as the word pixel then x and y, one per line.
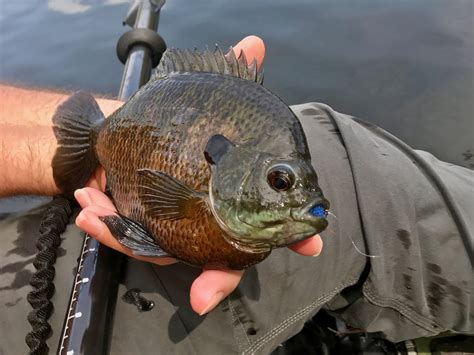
pixel 253 47
pixel 97 180
pixel 100 178
pixel 211 287
pixel 88 220
pixel 310 247
pixel 89 196
pixel 92 182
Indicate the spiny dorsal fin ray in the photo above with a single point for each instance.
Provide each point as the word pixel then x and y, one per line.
pixel 185 60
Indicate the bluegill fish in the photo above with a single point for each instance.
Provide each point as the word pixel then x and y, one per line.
pixel 204 163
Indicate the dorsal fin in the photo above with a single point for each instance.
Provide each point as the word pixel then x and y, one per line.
pixel 185 60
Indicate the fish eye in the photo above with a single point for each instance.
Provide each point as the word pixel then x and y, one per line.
pixel 281 178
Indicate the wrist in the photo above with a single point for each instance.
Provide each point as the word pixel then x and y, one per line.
pixel 27 141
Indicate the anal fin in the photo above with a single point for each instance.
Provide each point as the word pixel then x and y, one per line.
pixel 133 236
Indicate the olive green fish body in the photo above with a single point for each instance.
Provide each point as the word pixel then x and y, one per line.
pixel 215 168
pixel 156 131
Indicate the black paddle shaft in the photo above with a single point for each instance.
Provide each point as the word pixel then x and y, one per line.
pixel 89 318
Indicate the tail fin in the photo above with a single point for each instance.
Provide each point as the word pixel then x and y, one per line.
pixel 75 125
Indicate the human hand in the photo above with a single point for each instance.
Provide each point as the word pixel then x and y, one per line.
pixel 211 286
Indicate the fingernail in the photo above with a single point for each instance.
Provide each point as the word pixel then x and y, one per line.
pixel 83 195
pixel 80 219
pixel 318 252
pixel 89 222
pixel 218 297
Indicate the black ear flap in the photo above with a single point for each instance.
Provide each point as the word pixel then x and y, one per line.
pixel 217 146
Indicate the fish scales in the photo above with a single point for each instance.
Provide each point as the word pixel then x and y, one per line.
pixel 223 156
pixel 219 105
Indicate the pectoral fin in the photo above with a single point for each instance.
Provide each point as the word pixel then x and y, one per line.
pixel 133 236
pixel 165 197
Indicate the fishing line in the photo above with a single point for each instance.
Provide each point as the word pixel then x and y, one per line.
pixel 352 240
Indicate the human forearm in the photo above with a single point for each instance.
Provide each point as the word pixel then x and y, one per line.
pixel 27 141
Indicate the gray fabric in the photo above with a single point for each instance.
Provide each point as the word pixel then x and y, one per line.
pixel 386 205
pixel 423 270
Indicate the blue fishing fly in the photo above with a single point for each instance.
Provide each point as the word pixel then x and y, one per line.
pixel 318 211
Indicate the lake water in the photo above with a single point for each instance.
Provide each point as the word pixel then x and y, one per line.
pixel 407 66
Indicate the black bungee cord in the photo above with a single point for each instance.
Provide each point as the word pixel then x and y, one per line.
pixel 53 223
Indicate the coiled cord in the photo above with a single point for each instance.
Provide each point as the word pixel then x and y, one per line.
pixel 53 223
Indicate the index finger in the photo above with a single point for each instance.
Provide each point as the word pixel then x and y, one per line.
pixel 309 247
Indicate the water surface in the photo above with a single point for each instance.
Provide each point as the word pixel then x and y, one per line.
pixel 404 65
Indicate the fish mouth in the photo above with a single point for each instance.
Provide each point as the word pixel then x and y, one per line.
pixel 314 216
pixel 313 212
pixel 297 237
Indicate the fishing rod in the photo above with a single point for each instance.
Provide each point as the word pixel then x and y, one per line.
pixel 87 327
